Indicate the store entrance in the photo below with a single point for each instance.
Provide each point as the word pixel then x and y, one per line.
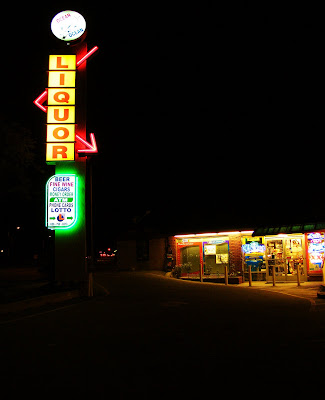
pixel 215 259
pixel 286 256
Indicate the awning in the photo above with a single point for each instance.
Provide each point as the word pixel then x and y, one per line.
pixel 286 229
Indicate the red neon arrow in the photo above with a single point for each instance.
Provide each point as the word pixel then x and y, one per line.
pixel 40 100
pixel 91 147
pixel 84 58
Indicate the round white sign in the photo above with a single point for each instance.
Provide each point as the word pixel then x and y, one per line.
pixel 68 25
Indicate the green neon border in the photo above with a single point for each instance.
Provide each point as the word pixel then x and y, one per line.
pixel 76 204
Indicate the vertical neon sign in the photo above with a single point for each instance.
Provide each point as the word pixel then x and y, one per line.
pixel 61 113
pixel 60 134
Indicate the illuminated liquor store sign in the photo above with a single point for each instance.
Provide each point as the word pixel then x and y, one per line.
pixel 60 134
pixel 66 136
pixel 61 201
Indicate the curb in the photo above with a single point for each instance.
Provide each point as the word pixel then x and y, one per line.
pixel 38 301
pixel 321 292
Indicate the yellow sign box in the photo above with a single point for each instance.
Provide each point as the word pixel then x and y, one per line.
pixel 59 151
pixel 62 62
pixel 62 79
pixel 58 114
pixel 61 96
pixel 60 133
pixel 61 100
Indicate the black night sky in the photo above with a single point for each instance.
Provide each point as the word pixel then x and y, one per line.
pixel 205 120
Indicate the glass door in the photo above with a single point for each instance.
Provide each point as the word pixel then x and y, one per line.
pixel 222 258
pixel 295 259
pixel 275 258
pixel 286 256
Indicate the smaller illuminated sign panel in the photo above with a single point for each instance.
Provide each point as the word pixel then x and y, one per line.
pixel 60 114
pixel 62 62
pixel 59 79
pixel 59 96
pixel 316 249
pixel 60 133
pixel 60 152
pixel 68 25
pixel 253 247
pixel 61 201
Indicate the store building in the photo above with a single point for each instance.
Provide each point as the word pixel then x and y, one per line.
pixel 288 250
pixel 206 256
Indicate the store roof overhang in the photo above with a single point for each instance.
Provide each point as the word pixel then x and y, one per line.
pixel 286 229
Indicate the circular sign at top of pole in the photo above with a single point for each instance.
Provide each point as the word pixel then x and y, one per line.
pixel 68 25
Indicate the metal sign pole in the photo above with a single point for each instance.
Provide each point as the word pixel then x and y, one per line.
pixel 70 245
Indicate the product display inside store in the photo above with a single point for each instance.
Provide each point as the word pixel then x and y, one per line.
pixel 254 257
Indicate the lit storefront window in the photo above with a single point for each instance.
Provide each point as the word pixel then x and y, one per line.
pixel 315 245
pixel 254 256
pixel 206 252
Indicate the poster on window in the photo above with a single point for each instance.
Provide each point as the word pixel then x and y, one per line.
pixel 295 245
pixel 222 258
pixel 210 249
